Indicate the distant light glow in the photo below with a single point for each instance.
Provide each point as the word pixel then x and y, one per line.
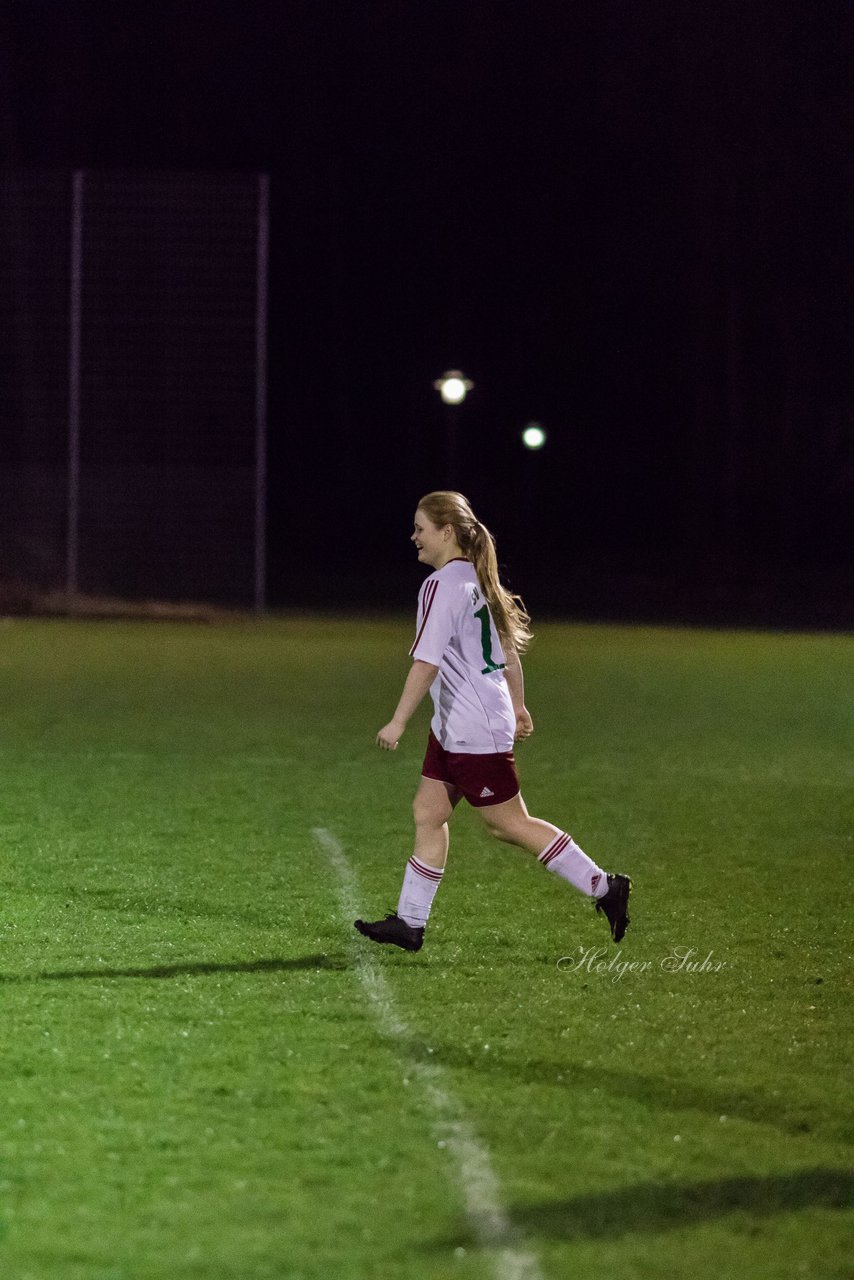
pixel 453 386
pixel 533 437
pixel 453 390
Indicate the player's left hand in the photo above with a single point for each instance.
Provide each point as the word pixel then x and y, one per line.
pixel 524 725
pixel 389 736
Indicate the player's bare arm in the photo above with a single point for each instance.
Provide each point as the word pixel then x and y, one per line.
pixel 421 676
pixel 516 685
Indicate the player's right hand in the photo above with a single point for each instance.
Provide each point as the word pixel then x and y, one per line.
pixel 524 725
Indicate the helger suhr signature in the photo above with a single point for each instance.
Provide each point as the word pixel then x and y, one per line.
pixel 600 960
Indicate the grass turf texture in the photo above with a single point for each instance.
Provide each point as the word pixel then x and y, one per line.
pixel 192 1081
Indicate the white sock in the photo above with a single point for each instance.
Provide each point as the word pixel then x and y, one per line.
pixel 420 883
pixel 571 863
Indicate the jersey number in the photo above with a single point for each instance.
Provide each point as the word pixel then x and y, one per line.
pixel 486 641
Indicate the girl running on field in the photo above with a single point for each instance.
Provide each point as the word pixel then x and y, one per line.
pixel 470 633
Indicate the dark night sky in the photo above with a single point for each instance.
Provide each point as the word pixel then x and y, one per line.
pixel 626 220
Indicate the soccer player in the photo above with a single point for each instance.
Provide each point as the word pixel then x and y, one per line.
pixel 470 634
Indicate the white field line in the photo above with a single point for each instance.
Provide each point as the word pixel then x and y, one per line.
pixel 478 1181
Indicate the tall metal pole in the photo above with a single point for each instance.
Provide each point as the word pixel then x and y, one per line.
pixel 452 420
pixel 263 257
pixel 75 315
pixel 453 387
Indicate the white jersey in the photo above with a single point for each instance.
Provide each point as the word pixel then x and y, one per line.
pixel 473 712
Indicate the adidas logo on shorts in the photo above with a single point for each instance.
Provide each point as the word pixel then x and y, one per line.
pixel 486 792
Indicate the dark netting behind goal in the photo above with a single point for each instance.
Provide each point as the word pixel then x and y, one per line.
pixel 134 391
pixel 34 213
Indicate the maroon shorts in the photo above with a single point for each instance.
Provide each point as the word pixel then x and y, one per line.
pixel 483 780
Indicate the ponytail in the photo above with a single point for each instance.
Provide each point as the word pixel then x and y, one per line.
pixel 508 611
pixel 511 619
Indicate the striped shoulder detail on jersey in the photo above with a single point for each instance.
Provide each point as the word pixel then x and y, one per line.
pixel 429 596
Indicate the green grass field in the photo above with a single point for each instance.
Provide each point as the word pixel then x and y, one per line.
pixel 194 1081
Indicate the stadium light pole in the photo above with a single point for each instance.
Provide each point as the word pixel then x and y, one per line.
pixel 530 477
pixel 261 267
pixel 453 387
pixel 75 313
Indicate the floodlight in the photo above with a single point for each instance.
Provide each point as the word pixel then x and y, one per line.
pixel 533 436
pixel 453 386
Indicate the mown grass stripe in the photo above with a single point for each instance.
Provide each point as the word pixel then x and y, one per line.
pixel 481 1189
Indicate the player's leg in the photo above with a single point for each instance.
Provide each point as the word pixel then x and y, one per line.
pixel 512 823
pixel 556 850
pixel 432 807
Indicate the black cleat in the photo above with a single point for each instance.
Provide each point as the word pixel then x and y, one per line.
pixel 393 930
pixel 615 904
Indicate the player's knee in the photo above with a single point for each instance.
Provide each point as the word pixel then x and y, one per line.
pixel 427 814
pixel 501 830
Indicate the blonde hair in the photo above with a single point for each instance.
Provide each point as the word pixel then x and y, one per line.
pixel 444 507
